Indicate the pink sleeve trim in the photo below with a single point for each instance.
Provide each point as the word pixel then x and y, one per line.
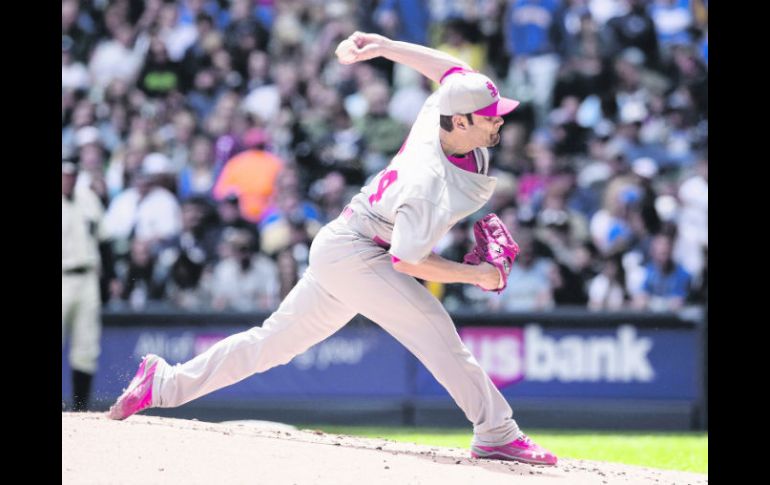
pixel 451 71
pixel 394 259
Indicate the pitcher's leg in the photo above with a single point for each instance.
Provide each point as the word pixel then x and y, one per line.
pixel 407 310
pixel 306 316
pixel 430 335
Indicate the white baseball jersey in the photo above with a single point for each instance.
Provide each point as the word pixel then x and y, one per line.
pixel 414 202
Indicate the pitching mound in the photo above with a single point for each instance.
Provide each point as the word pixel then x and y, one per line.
pixel 145 449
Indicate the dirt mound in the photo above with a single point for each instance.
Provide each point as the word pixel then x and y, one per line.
pixel 146 449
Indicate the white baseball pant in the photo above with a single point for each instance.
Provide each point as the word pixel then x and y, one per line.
pixel 348 274
pixel 81 319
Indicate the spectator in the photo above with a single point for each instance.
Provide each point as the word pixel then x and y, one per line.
pixel 461 40
pixel 511 156
pixel 142 282
pixel 607 290
pixel 229 213
pixel 673 19
pixel 258 70
pixel 205 92
pixel 279 225
pixel 145 211
pixel 227 129
pixel 554 228
pixel 403 20
pixel 690 75
pixel 635 28
pixel 529 283
pixel 610 227
pixel 119 58
pixel 407 100
pixel 692 224
pixel 160 75
pixel 243 35
pixel 575 26
pixel 191 10
pixel 184 258
pixel 532 184
pixel 75 31
pixel 557 224
pixel 530 31
pixel 330 194
pixel 125 163
pixel 666 283
pixel 250 175
pixel 342 148
pixel 382 134
pixel 113 130
pixel 265 102
pixel 197 57
pixel 679 133
pixel 568 135
pixel 590 182
pixel 645 169
pixel 176 36
pixel 197 177
pixel 74 75
pixel 82 116
pixel 243 280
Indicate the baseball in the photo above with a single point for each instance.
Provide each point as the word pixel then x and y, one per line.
pixel 346 51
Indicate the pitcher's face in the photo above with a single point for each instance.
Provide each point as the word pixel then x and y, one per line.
pixel 485 130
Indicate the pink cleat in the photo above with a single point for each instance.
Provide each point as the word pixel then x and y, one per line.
pixel 522 449
pixel 138 395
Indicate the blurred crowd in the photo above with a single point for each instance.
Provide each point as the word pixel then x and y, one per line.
pixel 220 135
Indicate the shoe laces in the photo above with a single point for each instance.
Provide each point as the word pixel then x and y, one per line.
pixel 525 439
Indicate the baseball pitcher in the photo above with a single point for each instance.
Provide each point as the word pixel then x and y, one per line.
pixel 366 261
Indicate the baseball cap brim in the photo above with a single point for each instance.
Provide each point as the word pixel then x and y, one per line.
pixel 499 108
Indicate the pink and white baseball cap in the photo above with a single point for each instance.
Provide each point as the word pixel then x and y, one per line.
pixel 472 92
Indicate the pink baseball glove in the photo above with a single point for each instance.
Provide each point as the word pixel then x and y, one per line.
pixel 494 245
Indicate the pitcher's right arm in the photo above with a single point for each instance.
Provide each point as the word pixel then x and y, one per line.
pixel 429 62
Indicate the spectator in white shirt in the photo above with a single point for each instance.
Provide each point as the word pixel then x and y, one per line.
pixel 146 211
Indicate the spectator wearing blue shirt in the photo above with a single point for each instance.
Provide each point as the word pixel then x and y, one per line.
pixel 672 20
pixel 189 10
pixel 666 283
pixel 531 33
pixel 405 20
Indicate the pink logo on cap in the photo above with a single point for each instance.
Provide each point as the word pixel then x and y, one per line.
pixel 492 89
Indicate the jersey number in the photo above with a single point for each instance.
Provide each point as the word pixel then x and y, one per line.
pixel 387 179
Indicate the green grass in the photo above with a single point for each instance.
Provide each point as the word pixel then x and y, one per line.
pixel 671 451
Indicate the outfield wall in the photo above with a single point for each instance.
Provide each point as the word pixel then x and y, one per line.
pixel 564 368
